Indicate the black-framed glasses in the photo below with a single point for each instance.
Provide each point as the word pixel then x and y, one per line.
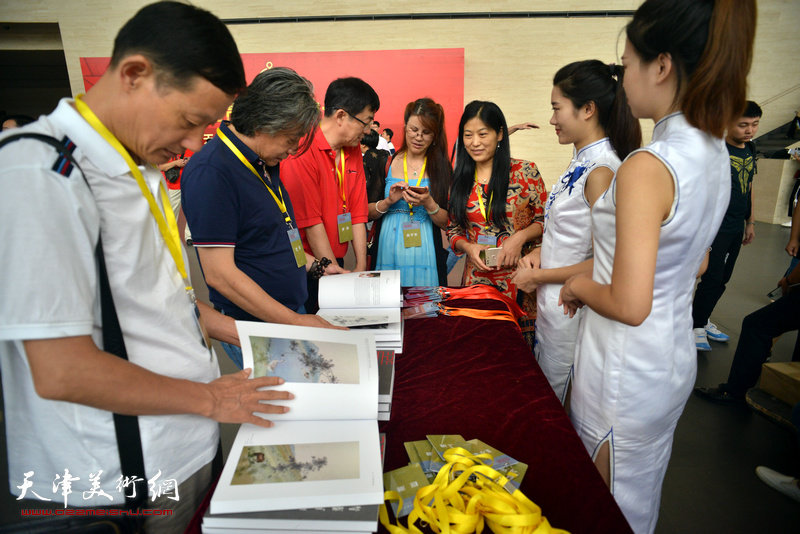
pixel 365 124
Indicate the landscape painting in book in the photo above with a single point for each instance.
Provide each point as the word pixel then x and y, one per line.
pixel 303 361
pixel 358 321
pixel 268 464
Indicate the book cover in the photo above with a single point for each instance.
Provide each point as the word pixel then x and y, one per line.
pixel 385 376
pixel 339 519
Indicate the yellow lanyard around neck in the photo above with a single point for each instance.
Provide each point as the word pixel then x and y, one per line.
pixel 480 199
pixel 280 202
pixel 165 221
pixel 342 188
pixel 405 175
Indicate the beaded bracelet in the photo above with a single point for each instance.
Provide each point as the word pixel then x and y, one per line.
pixel 318 268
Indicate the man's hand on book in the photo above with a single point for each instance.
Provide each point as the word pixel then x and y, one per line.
pixel 316 321
pixel 236 398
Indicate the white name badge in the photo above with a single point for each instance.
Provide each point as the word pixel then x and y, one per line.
pixel 345 227
pixel 489 240
pixel 297 246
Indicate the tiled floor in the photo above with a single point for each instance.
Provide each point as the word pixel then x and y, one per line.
pixel 711 486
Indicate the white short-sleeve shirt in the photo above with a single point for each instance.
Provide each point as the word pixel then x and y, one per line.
pixel 48 274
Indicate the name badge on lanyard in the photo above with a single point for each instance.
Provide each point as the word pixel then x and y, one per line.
pixel 345 227
pixel 490 240
pixel 294 236
pixel 297 246
pixel 412 237
pixel 166 222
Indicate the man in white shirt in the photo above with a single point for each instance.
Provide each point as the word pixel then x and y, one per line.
pixel 174 70
pixel 383 143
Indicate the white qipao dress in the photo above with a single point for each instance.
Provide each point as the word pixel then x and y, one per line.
pixel 630 384
pixel 567 240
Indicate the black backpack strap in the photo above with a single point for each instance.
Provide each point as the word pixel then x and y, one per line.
pixel 129 441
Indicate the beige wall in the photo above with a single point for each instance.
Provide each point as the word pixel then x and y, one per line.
pixel 509 61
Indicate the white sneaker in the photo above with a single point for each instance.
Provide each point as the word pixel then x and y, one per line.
pixel 701 340
pixel 785 484
pixel 714 333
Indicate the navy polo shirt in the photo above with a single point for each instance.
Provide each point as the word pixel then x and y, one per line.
pixel 226 205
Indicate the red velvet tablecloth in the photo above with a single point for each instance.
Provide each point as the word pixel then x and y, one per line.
pixel 478 378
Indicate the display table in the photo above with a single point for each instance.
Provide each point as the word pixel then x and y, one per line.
pixel 478 378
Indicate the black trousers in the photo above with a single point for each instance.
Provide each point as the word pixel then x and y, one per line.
pixel 755 343
pixel 721 259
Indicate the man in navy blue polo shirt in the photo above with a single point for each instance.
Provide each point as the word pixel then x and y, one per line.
pixel 241 216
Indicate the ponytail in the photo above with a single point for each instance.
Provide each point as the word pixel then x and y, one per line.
pixel 594 81
pixel 716 94
pixel 623 129
pixel 711 43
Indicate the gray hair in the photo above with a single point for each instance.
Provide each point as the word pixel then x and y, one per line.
pixel 277 100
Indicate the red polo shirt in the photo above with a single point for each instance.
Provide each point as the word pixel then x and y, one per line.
pixel 313 185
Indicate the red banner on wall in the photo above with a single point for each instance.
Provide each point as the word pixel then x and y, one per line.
pixel 398 76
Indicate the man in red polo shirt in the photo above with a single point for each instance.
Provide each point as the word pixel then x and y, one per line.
pixel 327 184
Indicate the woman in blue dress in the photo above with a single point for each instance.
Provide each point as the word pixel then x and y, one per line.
pixel 414 209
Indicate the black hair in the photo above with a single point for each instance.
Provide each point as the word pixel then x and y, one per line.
pixel 370 139
pixel 389 132
pixel 594 81
pixel 375 124
pixel 710 43
pixel 752 110
pixel 351 95
pixel 464 175
pixel 182 42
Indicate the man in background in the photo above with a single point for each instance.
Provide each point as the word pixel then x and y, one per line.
pixel 730 237
pixel 327 184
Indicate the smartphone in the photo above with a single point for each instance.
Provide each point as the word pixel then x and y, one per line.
pixel 489 256
pixel 417 190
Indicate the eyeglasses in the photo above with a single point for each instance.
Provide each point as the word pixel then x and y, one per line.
pixel 365 124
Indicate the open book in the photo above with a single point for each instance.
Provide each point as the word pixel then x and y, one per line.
pixel 325 451
pixel 368 301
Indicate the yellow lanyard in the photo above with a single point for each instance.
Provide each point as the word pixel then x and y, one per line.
pixel 467 496
pixel 342 189
pixel 480 200
pixel 165 221
pixel 405 175
pixel 280 202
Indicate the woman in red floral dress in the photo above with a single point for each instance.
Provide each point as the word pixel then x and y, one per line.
pixel 495 201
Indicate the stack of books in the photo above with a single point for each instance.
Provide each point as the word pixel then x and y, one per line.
pixel 369 301
pixel 319 468
pixel 385 383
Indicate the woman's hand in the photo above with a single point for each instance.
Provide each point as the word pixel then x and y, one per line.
pixel 473 252
pixel 510 251
pixel 525 279
pixel 418 199
pixel 533 260
pixel 395 193
pixel 567 297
